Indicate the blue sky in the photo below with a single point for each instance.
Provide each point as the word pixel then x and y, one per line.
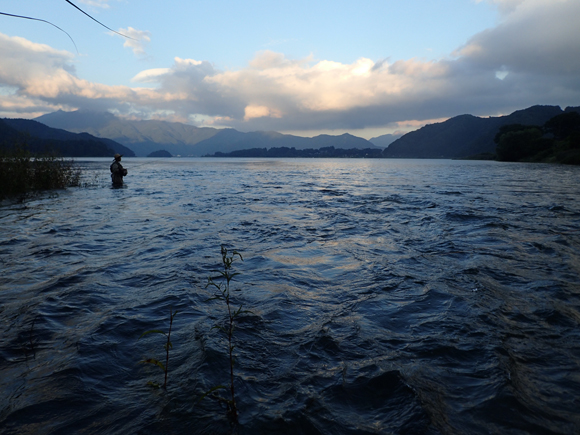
pixel 368 68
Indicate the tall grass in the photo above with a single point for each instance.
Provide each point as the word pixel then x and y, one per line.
pixel 22 173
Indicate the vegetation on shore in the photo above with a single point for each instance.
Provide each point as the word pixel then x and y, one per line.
pixel 557 141
pixel 324 152
pixel 22 173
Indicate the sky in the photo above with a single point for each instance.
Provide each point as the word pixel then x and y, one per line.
pixel 368 68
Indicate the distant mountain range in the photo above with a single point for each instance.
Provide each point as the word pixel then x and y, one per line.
pixel 145 137
pixel 39 138
pixel 102 133
pixel 466 135
pixel 229 140
pixel 385 140
pixel 323 152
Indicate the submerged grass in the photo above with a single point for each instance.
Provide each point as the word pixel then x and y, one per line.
pixel 22 173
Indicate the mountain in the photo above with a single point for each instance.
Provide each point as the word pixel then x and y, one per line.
pixel 40 138
pixel 465 135
pixel 461 136
pixel 145 137
pixel 385 140
pixel 228 140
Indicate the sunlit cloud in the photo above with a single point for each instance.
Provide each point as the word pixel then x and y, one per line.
pixel 40 73
pixel 15 106
pixel 259 112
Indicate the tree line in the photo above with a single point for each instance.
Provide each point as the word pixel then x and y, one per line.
pixel 557 141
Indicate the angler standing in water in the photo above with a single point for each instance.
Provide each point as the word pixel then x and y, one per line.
pixel 117 171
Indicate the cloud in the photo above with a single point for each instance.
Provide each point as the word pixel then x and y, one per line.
pixel 137 39
pixel 36 74
pixel 96 3
pixel 150 75
pixel 504 6
pixel 18 54
pixel 538 37
pixel 530 57
pixel 507 7
pixel 260 112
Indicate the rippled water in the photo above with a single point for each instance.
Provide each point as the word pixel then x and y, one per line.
pixel 386 296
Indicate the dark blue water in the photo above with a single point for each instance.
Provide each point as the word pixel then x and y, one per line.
pixel 386 296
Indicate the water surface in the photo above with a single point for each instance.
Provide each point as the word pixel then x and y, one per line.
pixel 386 296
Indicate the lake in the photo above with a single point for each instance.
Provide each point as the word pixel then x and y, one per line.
pixel 383 296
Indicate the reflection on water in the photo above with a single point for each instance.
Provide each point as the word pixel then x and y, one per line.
pixel 385 296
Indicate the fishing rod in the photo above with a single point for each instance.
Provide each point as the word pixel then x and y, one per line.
pixel 145 163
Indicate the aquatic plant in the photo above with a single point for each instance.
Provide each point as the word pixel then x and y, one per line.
pixel 168 345
pixel 22 173
pixel 221 283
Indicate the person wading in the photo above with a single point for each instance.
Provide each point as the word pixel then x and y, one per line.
pixel 117 171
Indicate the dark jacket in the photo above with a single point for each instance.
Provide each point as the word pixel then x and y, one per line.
pixel 117 172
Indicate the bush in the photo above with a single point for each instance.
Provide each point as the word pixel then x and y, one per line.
pixel 22 173
pixel 521 144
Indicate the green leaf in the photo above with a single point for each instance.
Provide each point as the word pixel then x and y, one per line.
pixel 153 331
pixel 211 390
pixel 154 362
pixel 214 298
pixel 211 283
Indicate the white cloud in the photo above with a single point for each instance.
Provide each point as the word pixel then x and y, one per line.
pixel 150 75
pixel 137 39
pixel 96 3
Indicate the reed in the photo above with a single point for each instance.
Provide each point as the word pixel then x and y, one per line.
pixel 22 173
pixel 167 346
